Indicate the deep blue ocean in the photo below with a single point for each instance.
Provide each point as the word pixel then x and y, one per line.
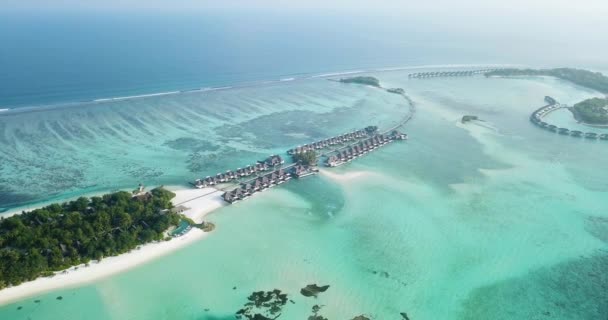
pixel 54 58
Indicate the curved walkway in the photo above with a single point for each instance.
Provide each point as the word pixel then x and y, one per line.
pixel 537 118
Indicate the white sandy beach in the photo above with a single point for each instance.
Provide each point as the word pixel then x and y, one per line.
pixel 199 202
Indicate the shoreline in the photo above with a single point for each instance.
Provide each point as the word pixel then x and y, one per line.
pixel 200 202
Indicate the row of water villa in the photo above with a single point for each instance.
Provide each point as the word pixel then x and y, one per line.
pixel 298 170
pixel 537 118
pixel 341 139
pixel 229 176
pixel 439 74
pixel 363 147
pixel 269 180
pixel 271 172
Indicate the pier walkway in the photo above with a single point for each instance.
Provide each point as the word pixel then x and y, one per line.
pixel 537 118
pixel 445 74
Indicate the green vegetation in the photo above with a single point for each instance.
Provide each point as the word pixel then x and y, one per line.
pixel 369 81
pixel 588 79
pixel 306 158
pixel 592 111
pixel 59 236
pixel 269 305
pixel 396 90
pixel 468 118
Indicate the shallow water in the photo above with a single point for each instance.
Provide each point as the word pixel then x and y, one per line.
pixel 489 220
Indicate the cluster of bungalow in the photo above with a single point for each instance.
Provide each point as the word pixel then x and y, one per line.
pixel 537 115
pixel 230 175
pixel 301 171
pixel 259 184
pixel 449 73
pixel 347 137
pixel 362 148
pixel 266 181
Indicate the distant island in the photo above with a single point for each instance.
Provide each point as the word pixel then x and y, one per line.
pixel 59 236
pixel 369 81
pixel 468 118
pixel 592 111
pixel 592 80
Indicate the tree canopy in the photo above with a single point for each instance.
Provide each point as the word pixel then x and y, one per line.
pixel 370 81
pixel 592 80
pixel 59 236
pixel 593 111
pixel 306 158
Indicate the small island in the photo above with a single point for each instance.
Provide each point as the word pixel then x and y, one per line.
pixel 56 237
pixel 308 158
pixel 365 80
pixel 468 118
pixel 592 111
pixel 592 80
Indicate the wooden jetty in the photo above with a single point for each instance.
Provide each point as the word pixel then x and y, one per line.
pixel 352 152
pixel 333 141
pixel 444 74
pixel 268 180
pixel 230 175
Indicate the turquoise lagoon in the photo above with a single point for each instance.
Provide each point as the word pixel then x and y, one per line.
pixel 490 220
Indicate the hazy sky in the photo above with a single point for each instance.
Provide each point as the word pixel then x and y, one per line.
pixel 566 28
pixel 595 8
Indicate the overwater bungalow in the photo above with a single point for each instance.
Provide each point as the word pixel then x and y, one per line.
pixel 552 127
pixel 238 193
pixel 301 171
pixel 273 177
pixel 273 161
pixel 261 166
pixel 333 161
pixel 256 185
pixel 603 136
pixel 198 183
pixel 564 131
pixel 576 133
pixel 240 172
pixel 247 188
pixel 591 135
pixel 283 176
pixel 264 181
pixel 228 197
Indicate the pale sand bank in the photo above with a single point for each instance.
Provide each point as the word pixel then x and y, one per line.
pixel 199 201
pixel 346 177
